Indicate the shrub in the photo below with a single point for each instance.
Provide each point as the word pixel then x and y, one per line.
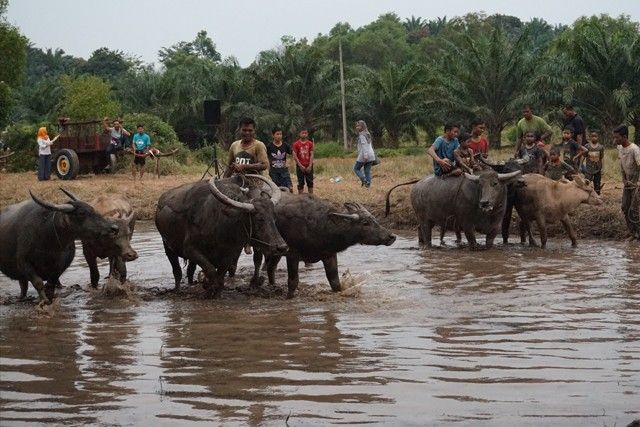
pixel 330 149
pixel 161 133
pixel 21 138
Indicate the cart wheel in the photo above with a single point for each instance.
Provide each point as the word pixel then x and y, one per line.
pixel 66 164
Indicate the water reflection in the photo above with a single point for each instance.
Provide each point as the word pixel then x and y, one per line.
pixel 508 336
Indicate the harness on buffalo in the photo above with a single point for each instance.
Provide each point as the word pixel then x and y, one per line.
pixel 250 230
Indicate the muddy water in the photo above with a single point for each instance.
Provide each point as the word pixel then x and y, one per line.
pixel 512 336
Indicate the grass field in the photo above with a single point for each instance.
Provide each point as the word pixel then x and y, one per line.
pixel 604 221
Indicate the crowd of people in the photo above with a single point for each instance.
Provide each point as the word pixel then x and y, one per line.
pixel 455 153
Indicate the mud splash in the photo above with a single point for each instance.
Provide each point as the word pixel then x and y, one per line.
pixel 511 336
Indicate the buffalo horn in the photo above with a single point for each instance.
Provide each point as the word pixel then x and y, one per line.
pixel 489 162
pixel 70 194
pixel 245 207
pixel 521 161
pixel 130 217
pixel 349 216
pixel 66 207
pixel 474 178
pixel 506 176
pixel 276 194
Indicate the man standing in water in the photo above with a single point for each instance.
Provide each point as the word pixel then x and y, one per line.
pixel 630 168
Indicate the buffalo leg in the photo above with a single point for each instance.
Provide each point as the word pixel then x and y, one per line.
pixel 489 238
pixel 506 222
pixel 420 236
pixel 94 273
pixel 233 268
pixel 121 268
pixel 271 263
pixel 523 231
pixel 24 286
pixel 256 280
pixel 542 226
pixel 470 234
pixel 572 234
pixel 210 271
pixel 458 235
pixel 292 273
pixel 175 265
pixel 191 270
pixel 331 270
pixel 424 231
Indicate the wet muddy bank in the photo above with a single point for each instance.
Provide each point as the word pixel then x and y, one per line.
pixel 509 336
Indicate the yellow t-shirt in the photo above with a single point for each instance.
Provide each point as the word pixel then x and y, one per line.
pixel 256 152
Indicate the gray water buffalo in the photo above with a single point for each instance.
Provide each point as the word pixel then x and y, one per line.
pixel 316 231
pixel 37 240
pixel 546 201
pixel 209 222
pixel 470 202
pixel 116 210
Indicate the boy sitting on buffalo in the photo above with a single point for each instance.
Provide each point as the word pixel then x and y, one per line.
pixel 441 151
pixel 464 155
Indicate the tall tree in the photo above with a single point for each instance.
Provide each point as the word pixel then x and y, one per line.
pixel 107 63
pixel 13 46
pixel 87 98
pixel 490 82
pixel 595 65
pixel 202 47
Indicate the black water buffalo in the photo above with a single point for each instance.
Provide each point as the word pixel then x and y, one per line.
pixel 118 211
pixel 471 202
pixel 316 231
pixel 209 222
pixel 508 166
pixel 37 240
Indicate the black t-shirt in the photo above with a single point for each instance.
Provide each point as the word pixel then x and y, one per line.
pixel 532 154
pixel 577 124
pixel 278 155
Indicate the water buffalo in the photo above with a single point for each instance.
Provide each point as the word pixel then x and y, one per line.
pixel 37 240
pixel 471 202
pixel 116 210
pixel 316 231
pixel 209 222
pixel 546 201
pixel 508 166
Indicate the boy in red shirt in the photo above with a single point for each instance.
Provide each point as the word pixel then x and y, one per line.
pixel 478 143
pixel 303 155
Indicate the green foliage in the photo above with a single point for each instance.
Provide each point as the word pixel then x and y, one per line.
pixel 108 64
pixel 202 47
pixel 13 46
pixel 22 138
pixel 161 133
pixel 87 98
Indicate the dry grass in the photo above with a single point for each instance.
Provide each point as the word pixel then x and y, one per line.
pixel 604 221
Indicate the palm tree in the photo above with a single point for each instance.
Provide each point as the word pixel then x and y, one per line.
pixel 396 100
pixel 417 29
pixel 485 76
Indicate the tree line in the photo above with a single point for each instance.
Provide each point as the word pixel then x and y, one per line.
pixel 405 78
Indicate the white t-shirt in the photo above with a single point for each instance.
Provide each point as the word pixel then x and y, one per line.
pixel 44 146
pixel 630 161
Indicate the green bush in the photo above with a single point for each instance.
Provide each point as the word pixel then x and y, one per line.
pixel 330 149
pixel 22 138
pixel 162 135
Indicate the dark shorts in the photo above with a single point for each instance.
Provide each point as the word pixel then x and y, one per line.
pixel 304 177
pixel 281 177
pixel 139 158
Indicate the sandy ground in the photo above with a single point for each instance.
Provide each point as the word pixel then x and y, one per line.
pixel 604 221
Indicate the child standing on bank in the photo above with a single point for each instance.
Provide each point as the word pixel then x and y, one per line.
pixel 594 161
pixel 303 155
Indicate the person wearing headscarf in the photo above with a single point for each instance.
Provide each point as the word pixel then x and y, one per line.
pixel 366 155
pixel 44 154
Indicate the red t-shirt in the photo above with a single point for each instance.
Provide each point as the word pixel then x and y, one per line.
pixel 481 146
pixel 303 150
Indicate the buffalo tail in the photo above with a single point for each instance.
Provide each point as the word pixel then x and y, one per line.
pixel 387 208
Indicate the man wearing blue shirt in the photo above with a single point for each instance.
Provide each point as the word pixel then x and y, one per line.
pixel 141 143
pixel 441 151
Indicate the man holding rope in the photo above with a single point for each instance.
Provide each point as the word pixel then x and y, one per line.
pixel 630 167
pixel 141 145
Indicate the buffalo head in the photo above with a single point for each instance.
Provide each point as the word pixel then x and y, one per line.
pixel 261 228
pixel 492 187
pixel 85 222
pixel 585 185
pixel 364 225
pixel 502 166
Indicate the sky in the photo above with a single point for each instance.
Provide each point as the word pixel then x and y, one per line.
pixel 243 28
